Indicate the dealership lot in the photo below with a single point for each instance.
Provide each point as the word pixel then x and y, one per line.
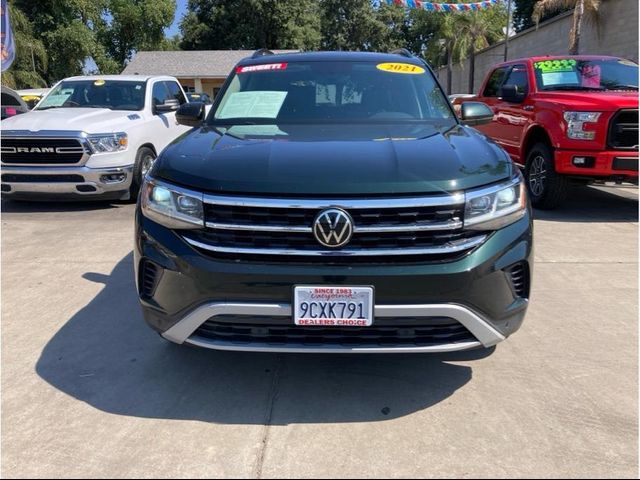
pixel 89 390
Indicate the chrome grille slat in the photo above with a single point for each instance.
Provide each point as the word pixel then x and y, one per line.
pixel 279 228
pixel 468 244
pixel 345 203
pixel 453 224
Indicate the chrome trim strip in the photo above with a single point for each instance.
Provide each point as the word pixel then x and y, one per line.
pixel 346 203
pixel 451 247
pixel 415 227
pixel 453 224
pixel 481 328
pixel 259 228
pixel 267 348
pixel 182 330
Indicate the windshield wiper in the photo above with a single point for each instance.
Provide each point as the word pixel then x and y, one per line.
pixel 622 87
pixel 572 87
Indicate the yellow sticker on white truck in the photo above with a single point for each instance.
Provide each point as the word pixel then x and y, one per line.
pixel 406 68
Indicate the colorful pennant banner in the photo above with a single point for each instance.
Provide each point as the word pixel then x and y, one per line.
pixel 444 7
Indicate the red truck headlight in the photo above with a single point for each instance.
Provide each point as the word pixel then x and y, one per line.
pixel 576 123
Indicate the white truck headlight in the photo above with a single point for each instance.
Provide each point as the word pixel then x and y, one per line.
pixel 108 142
pixel 575 124
pixel 171 206
pixel 495 207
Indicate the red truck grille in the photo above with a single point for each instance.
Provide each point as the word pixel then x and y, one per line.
pixel 623 130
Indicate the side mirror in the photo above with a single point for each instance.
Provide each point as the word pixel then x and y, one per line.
pixel 170 105
pixel 512 94
pixel 190 114
pixel 475 113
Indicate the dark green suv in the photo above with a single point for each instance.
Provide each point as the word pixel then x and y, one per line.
pixel 333 202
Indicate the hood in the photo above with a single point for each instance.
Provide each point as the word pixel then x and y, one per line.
pixel 333 159
pixel 90 120
pixel 608 101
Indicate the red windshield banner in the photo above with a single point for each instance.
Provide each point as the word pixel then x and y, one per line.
pixel 261 68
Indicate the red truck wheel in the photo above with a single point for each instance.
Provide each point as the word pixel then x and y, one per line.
pixel 546 188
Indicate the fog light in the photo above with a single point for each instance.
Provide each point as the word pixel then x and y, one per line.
pixel 584 162
pixel 113 178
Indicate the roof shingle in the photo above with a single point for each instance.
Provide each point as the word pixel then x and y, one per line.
pixel 188 63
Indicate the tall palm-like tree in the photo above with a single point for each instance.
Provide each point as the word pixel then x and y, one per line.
pixel 589 9
pixel 475 31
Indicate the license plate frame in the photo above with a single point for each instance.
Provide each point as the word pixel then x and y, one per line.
pixel 332 306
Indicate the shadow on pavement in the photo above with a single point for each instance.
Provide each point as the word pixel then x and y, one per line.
pixel 107 357
pixel 589 204
pixel 20 206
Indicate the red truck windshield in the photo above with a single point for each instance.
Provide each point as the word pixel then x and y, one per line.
pixel 576 74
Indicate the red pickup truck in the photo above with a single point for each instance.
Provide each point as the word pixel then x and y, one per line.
pixel 565 119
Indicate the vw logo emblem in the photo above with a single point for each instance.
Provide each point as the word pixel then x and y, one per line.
pixel 333 228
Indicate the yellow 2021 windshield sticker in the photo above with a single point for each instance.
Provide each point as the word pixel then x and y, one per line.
pixel 405 68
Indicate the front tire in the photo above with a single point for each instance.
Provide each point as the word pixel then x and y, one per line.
pixel 547 189
pixel 144 161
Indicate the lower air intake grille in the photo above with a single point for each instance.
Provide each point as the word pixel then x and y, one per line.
pixel 149 276
pixel 399 332
pixel 519 277
pixel 37 178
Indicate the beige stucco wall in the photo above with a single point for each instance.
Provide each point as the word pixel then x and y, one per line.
pixel 617 35
pixel 209 85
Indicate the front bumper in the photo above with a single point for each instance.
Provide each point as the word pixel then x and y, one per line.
pixel 613 164
pixel 191 289
pixel 68 181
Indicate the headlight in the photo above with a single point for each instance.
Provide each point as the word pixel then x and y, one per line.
pixel 109 142
pixel 495 207
pixel 575 124
pixel 171 206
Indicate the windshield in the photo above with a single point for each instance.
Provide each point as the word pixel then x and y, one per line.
pixel 112 94
pixel 335 92
pixel 575 74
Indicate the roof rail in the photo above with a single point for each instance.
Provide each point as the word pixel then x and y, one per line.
pixel 261 52
pixel 402 51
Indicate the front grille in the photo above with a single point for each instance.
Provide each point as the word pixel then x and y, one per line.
pixel 623 130
pixel 398 332
pixel 519 277
pixel 383 229
pixel 36 178
pixel 41 150
pixel 149 277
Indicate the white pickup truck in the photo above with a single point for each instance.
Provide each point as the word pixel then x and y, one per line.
pixel 90 137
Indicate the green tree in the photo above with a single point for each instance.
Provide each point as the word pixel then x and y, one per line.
pixel 135 25
pixel 350 25
pixel 31 60
pixel 589 9
pixel 522 12
pixel 72 31
pixel 478 30
pixel 250 24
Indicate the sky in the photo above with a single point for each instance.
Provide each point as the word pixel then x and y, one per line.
pixel 180 11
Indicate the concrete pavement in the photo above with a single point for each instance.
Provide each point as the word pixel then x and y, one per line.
pixel 88 390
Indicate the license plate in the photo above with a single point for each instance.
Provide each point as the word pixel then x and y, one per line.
pixel 325 306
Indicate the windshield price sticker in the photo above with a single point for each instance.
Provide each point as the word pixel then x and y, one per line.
pixel 324 306
pixel 405 68
pixel 262 68
pixel 558 65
